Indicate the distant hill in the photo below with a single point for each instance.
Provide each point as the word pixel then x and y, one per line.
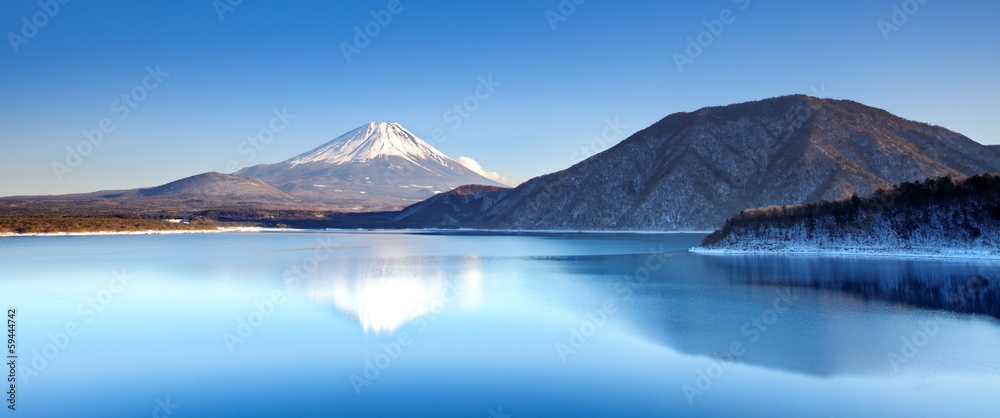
pixel 458 207
pixel 210 185
pixel 691 171
pixel 207 186
pixel 217 185
pixel 937 216
pixel 203 191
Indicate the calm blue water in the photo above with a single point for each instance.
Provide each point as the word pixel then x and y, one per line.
pixel 476 325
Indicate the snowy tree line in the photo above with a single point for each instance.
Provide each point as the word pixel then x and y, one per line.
pixel 942 215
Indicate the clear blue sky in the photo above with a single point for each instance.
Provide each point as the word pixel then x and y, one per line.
pixel 557 87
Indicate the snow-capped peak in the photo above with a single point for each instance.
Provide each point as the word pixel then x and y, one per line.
pixel 376 139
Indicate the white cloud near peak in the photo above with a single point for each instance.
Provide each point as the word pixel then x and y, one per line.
pixel 473 165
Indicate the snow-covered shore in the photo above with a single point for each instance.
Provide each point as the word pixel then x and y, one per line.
pixel 927 253
pixel 943 219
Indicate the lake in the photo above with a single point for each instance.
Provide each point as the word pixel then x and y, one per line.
pixel 490 325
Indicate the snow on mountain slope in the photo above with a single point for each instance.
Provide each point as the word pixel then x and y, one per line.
pixel 379 166
pixel 376 139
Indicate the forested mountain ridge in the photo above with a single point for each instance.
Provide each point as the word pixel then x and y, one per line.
pixel 692 170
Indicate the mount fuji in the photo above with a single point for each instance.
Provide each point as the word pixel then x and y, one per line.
pixel 379 166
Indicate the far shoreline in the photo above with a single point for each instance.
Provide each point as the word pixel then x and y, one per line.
pixel 220 230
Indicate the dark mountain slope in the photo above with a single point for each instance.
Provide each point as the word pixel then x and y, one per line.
pixel 691 171
pixel 461 206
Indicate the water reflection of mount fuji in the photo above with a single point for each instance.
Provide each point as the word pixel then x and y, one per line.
pixel 386 293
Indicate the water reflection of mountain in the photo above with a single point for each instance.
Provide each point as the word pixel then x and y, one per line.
pixel 386 293
pixel 702 305
pixel 963 287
